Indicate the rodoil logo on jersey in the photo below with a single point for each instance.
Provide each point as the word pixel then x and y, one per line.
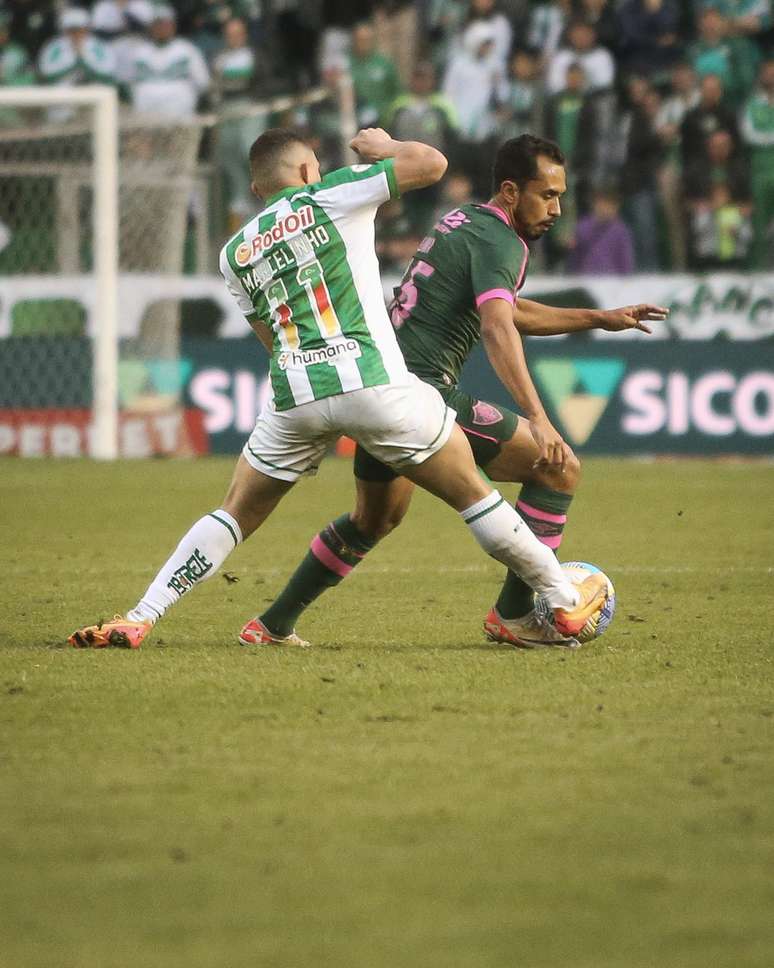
pixel 331 353
pixel 579 390
pixel 246 252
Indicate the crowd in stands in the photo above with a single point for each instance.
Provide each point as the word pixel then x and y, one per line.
pixel 663 108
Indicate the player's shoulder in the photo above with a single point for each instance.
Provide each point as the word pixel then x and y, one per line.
pixel 343 177
pixel 488 226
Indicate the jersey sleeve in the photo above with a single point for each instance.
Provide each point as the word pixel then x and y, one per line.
pixel 495 272
pixel 357 188
pixel 232 284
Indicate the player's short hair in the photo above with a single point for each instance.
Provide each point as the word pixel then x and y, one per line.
pixel 516 159
pixel 266 153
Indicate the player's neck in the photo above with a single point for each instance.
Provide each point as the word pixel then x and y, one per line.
pixel 498 204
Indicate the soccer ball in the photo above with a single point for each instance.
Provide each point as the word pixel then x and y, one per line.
pixel 576 571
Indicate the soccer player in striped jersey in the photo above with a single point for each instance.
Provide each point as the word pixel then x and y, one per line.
pixel 462 285
pixel 304 273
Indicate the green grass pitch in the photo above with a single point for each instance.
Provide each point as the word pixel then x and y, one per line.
pixel 403 795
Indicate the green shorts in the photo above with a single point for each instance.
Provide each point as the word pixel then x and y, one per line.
pixel 487 426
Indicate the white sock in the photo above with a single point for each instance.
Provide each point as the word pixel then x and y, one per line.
pixel 503 534
pixel 198 556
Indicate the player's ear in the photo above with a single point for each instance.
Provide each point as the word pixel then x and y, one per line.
pixel 254 189
pixel 510 191
pixel 305 172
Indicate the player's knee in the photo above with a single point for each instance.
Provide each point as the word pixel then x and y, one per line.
pixel 377 525
pixel 564 479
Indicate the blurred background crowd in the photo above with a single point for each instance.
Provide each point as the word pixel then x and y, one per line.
pixel 664 108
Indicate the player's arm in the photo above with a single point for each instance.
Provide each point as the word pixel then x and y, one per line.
pixel 535 319
pixel 262 331
pixel 416 165
pixel 504 348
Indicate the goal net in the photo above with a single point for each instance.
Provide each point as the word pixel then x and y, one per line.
pixel 94 205
pixel 110 225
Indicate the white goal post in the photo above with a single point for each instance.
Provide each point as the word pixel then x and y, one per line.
pixel 104 104
pixel 109 221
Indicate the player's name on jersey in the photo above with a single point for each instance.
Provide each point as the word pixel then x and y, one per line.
pixel 331 353
pixel 282 229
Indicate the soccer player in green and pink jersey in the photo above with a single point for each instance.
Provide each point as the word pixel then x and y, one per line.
pixel 304 273
pixel 462 285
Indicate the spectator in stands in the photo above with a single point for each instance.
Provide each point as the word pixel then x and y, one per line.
pixel 644 155
pixel 722 166
pixel 473 79
pixel 521 98
pixel 15 66
pixel 721 230
pixel 563 125
pixel 234 79
pixel 76 56
pixel 168 73
pixel 444 21
pixel 603 243
pixel 294 39
pixel 648 42
pixel 600 14
pixel 563 111
pixel 757 129
pixel 581 48
pixel 682 97
pixel 339 17
pixel 745 18
pixel 546 26
pixel 122 24
pixel 581 122
pixel 33 23
pixel 487 13
pixel 709 115
pixel 374 76
pixel 733 59
pixel 423 114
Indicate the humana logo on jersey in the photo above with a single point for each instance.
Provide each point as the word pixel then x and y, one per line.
pixel 330 353
pixel 282 229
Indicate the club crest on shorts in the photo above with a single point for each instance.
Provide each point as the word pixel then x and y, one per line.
pixel 485 414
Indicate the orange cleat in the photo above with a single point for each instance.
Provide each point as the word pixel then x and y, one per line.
pixel 593 595
pixel 256 633
pixel 120 633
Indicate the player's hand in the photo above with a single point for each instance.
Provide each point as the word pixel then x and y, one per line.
pixel 633 317
pixel 554 452
pixel 373 144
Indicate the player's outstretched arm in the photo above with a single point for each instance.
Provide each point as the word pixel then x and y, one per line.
pixel 504 348
pixel 416 165
pixel 535 319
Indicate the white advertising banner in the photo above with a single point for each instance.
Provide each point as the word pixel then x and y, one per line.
pixel 730 306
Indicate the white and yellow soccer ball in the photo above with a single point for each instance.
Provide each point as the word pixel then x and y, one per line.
pixel 576 572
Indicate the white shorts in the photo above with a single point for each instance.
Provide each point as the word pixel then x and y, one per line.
pixel 398 425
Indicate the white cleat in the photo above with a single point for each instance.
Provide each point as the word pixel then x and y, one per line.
pixel 531 631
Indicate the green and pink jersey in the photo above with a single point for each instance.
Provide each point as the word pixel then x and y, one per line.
pixel 472 255
pixel 306 268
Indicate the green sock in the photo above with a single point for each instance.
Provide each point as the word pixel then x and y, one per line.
pixel 332 555
pixel 545 513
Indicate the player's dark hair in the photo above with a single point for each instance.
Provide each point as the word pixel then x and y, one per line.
pixel 516 159
pixel 267 150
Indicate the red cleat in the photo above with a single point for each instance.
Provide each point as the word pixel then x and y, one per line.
pixel 256 633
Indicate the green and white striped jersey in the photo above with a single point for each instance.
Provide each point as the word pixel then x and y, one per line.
pixel 307 268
